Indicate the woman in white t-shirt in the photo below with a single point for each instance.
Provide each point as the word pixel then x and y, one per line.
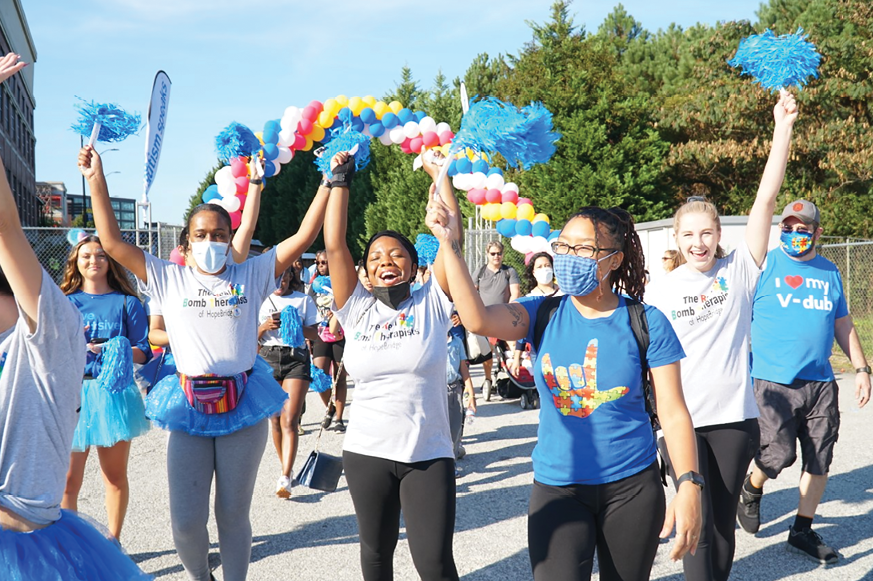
pixel 708 300
pixel 217 409
pixel 287 318
pixel 398 452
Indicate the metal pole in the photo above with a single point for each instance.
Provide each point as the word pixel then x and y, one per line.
pixel 84 213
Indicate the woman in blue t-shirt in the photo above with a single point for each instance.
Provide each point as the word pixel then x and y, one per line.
pixel 111 415
pixel 596 481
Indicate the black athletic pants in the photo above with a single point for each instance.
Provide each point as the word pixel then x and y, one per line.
pixel 621 520
pixel 425 492
pixel 724 453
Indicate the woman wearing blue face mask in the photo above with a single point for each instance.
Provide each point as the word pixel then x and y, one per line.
pixel 595 464
pixel 217 409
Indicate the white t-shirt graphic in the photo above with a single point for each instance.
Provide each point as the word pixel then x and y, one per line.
pixel 276 304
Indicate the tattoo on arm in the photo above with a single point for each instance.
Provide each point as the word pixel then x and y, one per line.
pixel 456 248
pixel 516 311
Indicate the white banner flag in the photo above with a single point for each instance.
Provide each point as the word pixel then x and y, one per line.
pixel 157 122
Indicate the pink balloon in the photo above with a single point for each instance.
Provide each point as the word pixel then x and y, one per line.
pixel 238 167
pixel 304 127
pixel 404 145
pixel 476 196
pixel 492 196
pixel 317 106
pixel 235 219
pixel 242 202
pixel 509 196
pixel 415 144
pixel 446 137
pixel 299 141
pixel 242 184
pixel 430 139
pixel 176 257
pixel 310 113
pixel 523 201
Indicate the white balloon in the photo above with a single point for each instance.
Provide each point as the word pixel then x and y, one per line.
pixel 522 244
pixel 224 176
pixel 231 203
pixel 366 131
pixel 292 111
pixel 427 124
pixel 285 155
pixel 494 182
pixel 411 130
pixel 286 137
pixel 461 181
pixel 478 180
pixel 385 138
pixel 442 128
pixel 397 135
pixel 541 244
pixel 226 189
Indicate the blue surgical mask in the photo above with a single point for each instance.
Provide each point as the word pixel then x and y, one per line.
pixel 209 256
pixel 796 243
pixel 577 275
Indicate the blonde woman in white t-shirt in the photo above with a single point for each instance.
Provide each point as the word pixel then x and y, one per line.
pixel 708 300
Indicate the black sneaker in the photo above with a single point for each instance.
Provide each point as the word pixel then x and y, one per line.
pixel 749 509
pixel 810 544
pixel 328 417
pixel 340 427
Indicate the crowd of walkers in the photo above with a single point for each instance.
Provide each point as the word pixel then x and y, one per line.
pixel 632 377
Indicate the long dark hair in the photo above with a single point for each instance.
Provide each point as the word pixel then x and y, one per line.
pixel 5 287
pixel 115 276
pixel 294 283
pixel 630 277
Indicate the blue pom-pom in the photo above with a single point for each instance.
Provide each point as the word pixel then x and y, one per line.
pixel 291 330
pixel 321 285
pixel 116 123
pixel 236 140
pixel 116 371
pixel 320 380
pixel 522 136
pixel 427 247
pixel 778 62
pixel 346 138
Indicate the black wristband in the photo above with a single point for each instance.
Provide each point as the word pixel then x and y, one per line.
pixel 325 182
pixel 256 181
pixel 343 174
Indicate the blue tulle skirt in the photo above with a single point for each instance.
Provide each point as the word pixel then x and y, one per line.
pixel 107 418
pixel 71 549
pixel 168 407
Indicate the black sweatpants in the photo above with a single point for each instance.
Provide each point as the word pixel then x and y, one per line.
pixel 620 519
pixel 425 492
pixel 724 453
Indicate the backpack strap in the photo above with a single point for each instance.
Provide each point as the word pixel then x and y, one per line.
pixel 640 327
pixel 545 312
pixel 479 274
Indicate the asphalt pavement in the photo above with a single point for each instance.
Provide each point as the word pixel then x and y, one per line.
pixel 313 536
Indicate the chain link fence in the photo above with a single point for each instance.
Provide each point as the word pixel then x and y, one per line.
pixel 855 262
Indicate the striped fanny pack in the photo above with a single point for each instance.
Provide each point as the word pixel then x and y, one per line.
pixel 214 394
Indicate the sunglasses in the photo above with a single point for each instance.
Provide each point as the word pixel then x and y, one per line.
pixel 496 253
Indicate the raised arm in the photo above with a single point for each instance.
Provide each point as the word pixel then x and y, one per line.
pixel 242 238
pixel 127 255
pixel 758 228
pixel 343 277
pixel 294 246
pixel 506 321
pixel 448 198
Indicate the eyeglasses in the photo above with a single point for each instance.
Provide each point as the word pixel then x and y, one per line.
pixel 583 250
pixel 799 228
pixel 496 253
pixel 323 262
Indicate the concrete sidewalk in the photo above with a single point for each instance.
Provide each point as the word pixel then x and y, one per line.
pixel 313 536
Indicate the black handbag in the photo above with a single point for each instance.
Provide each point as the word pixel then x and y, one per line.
pixel 321 471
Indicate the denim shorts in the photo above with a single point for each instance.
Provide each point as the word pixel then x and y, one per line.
pixel 284 365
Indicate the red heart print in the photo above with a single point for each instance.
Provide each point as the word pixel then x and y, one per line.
pixel 794 281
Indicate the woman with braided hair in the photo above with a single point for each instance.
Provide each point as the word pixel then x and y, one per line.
pixel 595 463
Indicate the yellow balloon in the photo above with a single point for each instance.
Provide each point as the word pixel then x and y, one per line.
pixel 380 108
pixel 356 105
pixel 331 107
pixel 370 100
pixel 308 145
pixel 317 133
pixel 325 118
pixel 260 136
pixel 541 218
pixel 493 212
pixel 395 106
pixel 342 100
pixel 508 210
pixel 525 212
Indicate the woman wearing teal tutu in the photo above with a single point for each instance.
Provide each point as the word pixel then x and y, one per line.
pixel 112 412
pixel 216 410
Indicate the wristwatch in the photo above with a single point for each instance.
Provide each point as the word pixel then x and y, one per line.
pixel 695 479
pixel 865 369
pixel 256 181
pixel 325 183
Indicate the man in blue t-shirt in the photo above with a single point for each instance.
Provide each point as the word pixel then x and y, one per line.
pixel 799 310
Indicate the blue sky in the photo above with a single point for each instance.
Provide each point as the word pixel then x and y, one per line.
pixel 237 61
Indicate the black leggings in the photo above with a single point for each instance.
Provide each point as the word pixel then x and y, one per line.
pixel 425 491
pixel 724 453
pixel 620 519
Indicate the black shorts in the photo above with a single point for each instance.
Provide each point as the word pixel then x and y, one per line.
pixel 333 351
pixel 284 366
pixel 805 410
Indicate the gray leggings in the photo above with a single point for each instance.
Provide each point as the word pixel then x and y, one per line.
pixel 191 463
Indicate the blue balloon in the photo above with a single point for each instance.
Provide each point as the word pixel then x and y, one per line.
pixel 270 169
pixel 327 137
pixel 211 193
pixel 554 234
pixel 377 129
pixel 495 170
pixel 271 152
pixel 464 165
pixel 419 115
pixel 357 124
pixel 523 227
pixel 506 227
pixel 453 167
pixel 480 165
pixel 271 136
pixel 272 126
pixel 345 115
pixel 540 228
pixel 336 123
pixel 389 120
pixel 367 115
pixel 405 116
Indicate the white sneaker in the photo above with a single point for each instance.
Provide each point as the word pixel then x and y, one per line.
pixel 283 487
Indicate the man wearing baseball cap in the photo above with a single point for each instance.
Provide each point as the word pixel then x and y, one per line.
pixel 799 309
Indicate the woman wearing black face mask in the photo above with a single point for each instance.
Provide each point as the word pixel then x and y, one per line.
pixel 398 451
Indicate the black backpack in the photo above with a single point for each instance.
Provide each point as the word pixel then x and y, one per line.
pixel 640 328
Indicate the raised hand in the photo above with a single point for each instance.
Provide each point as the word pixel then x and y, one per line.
pixel 432 161
pixel 90 163
pixel 440 219
pixel 785 111
pixel 256 168
pixel 574 390
pixel 9 65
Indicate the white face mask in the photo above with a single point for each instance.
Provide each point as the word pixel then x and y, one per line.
pixel 544 275
pixel 209 256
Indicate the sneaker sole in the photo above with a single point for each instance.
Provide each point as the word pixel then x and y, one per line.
pixel 802 553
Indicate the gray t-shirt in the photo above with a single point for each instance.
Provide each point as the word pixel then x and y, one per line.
pixel 40 387
pixel 494 286
pixel 212 320
pixel 398 361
